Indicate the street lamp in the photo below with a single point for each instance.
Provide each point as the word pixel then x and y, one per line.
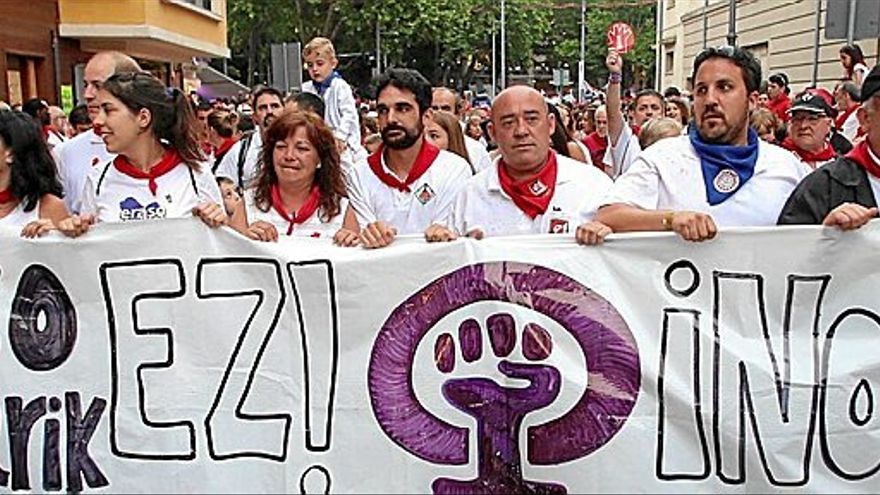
pixel 503 48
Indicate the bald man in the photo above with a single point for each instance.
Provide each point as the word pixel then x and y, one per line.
pixel 529 189
pixel 77 156
pixel 448 100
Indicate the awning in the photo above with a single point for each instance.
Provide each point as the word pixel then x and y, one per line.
pixel 216 84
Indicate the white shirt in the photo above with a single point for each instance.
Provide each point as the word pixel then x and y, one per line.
pixel 477 154
pixel 54 140
pixel 850 127
pixel 19 218
pixel 314 226
pixel 483 204
pixel 429 201
pixel 668 176
pixel 340 111
pixel 76 159
pixel 229 165
pixel 113 196
pixel 622 155
pixel 872 179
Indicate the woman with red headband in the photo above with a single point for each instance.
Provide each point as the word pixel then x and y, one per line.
pixel 299 190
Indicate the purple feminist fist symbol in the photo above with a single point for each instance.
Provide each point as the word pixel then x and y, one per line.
pixel 611 357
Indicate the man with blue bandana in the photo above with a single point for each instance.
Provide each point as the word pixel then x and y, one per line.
pixel 720 174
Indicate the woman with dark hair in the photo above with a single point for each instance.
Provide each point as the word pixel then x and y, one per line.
pixel 299 190
pixel 221 134
pixel 158 171
pixel 445 132
pixel 853 62
pixel 30 192
pixel 563 143
pixel 677 110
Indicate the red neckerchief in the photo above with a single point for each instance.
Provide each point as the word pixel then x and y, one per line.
pixel 862 156
pixel 6 196
pixel 826 154
pixel 780 105
pixel 427 154
pixel 531 195
pixel 224 147
pixel 597 146
pixel 305 211
pixel 637 129
pixel 169 161
pixel 838 122
pixel 46 130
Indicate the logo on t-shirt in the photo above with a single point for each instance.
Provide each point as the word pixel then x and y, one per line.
pixel 425 193
pixel 131 209
pixel 558 226
pixel 538 188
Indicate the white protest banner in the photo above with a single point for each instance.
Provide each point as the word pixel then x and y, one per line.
pixel 171 358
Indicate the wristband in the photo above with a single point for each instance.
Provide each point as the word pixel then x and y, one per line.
pixel 667 220
pixel 614 77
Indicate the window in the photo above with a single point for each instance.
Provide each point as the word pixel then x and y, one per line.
pixel 203 4
pixel 669 63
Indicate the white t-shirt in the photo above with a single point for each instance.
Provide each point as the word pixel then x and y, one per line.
pixel 314 226
pixel 229 165
pixel 340 111
pixel 19 218
pixel 668 176
pixel 429 201
pixel 477 154
pixel 850 127
pixel 483 205
pixel 76 159
pixel 113 196
pixel 624 153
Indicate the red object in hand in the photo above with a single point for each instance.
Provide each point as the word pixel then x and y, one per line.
pixel 621 37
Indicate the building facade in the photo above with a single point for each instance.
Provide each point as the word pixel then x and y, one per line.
pixel 782 34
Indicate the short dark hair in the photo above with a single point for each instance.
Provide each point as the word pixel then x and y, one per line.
pixel 203 106
pixel 410 80
pixel 852 89
pixel 748 64
pixel 309 102
pixel 649 93
pixel 33 106
pixel 33 172
pixel 79 115
pixel 267 90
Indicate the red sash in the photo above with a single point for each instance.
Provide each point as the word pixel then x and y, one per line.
pixel 862 156
pixel 305 211
pixel 838 122
pixel 427 154
pixel 533 194
pixel 224 147
pixel 826 154
pixel 169 160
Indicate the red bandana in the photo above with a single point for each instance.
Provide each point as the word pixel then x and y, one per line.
pixel 305 211
pixel 224 147
pixel 6 196
pixel 169 160
pixel 838 122
pixel 46 130
pixel 862 156
pixel 427 154
pixel 826 154
pixel 531 195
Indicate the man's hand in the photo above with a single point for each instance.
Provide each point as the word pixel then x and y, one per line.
pixel 262 231
pixel 377 234
pixel 693 226
pixel 849 216
pixel 76 225
pixel 346 238
pixel 211 213
pixel 592 233
pixel 439 233
pixel 614 62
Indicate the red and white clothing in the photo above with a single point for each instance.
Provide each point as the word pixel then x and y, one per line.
pixel 228 166
pixel 812 160
pixel 622 154
pixel 848 123
pixel 487 203
pixel 873 179
pixel 312 225
pixel 410 204
pixel 780 106
pixel 77 158
pixel 668 176
pixel 18 217
pixel 117 192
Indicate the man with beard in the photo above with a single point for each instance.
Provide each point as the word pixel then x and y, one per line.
pixel 720 174
pixel 242 162
pixel 408 184
pixel 809 129
pixel 77 156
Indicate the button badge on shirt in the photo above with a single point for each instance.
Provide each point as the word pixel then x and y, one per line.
pixel 726 181
pixel 425 193
pixel 538 188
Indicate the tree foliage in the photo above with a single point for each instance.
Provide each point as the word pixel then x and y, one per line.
pixel 449 41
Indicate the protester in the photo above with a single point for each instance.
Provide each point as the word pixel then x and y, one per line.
pixel 562 142
pixel 531 189
pixel 777 90
pixel 80 155
pixel 300 191
pixel 597 141
pixel 30 192
pixel 242 161
pixel 341 112
pixel 444 132
pixel 56 132
pixel 305 102
pixel 623 139
pixel 847 100
pixel 231 196
pixel 408 184
pixel 221 134
pixel 658 128
pixel 720 174
pixel 853 62
pixel 844 193
pixel 158 171
pixel 766 124
pixel 79 121
pixel 809 130
pixel 448 100
pixel 677 110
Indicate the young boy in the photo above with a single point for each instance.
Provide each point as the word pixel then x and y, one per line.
pixel 340 111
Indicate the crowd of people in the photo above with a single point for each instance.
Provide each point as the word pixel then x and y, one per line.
pixel 319 162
